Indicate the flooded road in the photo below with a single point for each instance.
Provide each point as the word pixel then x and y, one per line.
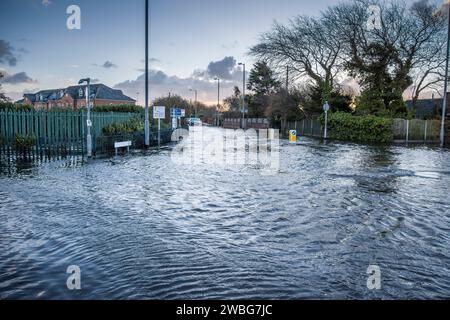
pixel 144 227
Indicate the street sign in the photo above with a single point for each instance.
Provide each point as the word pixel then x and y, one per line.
pixel 89 123
pixel 159 112
pixel 175 113
pixel 183 113
pixel 326 107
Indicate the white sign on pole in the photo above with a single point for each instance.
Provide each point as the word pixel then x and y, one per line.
pixel 326 107
pixel 159 112
pixel 183 113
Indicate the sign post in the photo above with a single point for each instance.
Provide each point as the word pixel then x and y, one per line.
pixel 159 113
pixel 326 108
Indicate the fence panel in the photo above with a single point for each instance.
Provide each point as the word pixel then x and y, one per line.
pixel 55 132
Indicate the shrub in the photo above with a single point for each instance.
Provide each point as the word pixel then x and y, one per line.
pixel 23 142
pixel 369 128
pixel 9 106
pixel 119 108
pixel 131 126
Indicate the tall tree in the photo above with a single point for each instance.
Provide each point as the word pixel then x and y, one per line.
pixel 309 46
pixel 3 97
pixel 385 57
pixel 263 83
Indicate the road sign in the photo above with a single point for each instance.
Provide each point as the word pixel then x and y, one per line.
pixel 183 113
pixel 89 123
pixel 293 136
pixel 326 107
pixel 159 112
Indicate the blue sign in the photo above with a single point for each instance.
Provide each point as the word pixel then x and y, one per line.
pixel 175 112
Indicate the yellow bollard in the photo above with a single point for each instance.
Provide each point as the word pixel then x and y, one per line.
pixel 293 136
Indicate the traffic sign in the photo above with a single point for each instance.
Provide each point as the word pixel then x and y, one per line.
pixel 159 112
pixel 326 107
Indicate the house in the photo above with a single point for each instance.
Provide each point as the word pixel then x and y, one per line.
pixel 75 97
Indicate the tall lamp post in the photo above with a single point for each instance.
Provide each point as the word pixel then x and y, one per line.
pixel 243 95
pixel 445 99
pixel 218 100
pixel 88 120
pixel 195 103
pixel 147 121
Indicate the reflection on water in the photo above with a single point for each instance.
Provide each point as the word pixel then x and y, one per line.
pixel 143 227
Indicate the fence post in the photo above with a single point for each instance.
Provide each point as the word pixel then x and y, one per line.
pixel 407 131
pixel 426 129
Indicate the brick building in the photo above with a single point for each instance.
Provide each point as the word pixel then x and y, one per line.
pixel 75 97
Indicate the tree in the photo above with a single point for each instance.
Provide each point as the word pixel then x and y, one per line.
pixel 383 59
pixel 263 83
pixel 234 102
pixel 309 46
pixel 3 97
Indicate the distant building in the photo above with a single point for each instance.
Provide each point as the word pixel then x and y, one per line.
pixel 75 97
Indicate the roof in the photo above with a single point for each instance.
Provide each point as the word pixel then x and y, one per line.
pixel 100 91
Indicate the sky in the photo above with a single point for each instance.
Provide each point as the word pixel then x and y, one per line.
pixel 191 42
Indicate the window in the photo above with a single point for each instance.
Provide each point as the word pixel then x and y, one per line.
pixel 80 93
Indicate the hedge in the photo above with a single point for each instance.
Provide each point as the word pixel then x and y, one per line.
pixel 369 128
pixel 23 142
pixel 120 128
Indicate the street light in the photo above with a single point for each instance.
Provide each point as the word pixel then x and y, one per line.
pixel 88 120
pixel 218 100
pixel 445 98
pixel 195 105
pixel 147 121
pixel 243 95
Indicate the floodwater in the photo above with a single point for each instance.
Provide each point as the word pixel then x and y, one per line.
pixel 143 227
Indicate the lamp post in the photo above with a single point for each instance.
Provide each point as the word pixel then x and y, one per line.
pixel 218 100
pixel 147 122
pixel 88 120
pixel 445 98
pixel 195 103
pixel 243 95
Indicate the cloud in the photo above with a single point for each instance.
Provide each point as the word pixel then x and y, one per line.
pixel 107 65
pixel 226 69
pixel 160 83
pixel 17 78
pixel 7 55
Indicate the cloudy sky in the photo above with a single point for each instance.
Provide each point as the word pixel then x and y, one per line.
pixel 191 42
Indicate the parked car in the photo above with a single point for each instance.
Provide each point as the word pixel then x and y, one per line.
pixel 194 122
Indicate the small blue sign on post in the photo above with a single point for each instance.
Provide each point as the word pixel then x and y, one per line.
pixel 175 113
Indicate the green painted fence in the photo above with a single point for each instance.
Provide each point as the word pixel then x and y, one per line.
pixel 55 131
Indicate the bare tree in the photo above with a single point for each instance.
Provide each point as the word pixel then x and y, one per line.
pixel 407 43
pixel 308 46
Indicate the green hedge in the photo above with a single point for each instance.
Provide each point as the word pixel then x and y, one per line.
pixel 120 128
pixel 347 127
pixel 23 142
pixel 9 106
pixel 119 108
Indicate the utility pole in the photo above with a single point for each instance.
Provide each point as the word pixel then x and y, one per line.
pixel 218 100
pixel 243 95
pixel 88 120
pixel 287 79
pixel 147 122
pixel 445 99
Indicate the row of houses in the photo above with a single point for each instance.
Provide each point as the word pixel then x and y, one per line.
pixel 75 97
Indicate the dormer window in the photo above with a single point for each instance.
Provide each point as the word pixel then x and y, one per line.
pixel 80 93
pixel 41 98
pixel 37 97
pixel 61 93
